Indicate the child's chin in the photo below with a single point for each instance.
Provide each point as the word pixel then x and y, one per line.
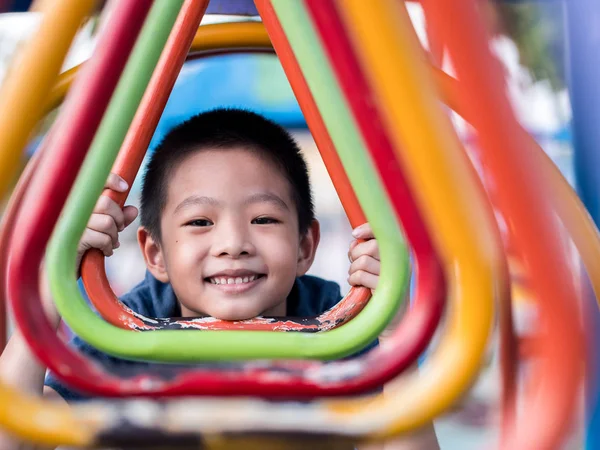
pixel 224 314
pixel 234 317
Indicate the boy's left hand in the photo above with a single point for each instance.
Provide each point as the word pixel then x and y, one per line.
pixel 364 258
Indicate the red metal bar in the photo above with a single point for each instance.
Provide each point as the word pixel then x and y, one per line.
pixel 556 377
pixel 6 228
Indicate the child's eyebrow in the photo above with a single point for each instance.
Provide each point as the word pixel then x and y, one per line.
pixel 266 197
pixel 262 197
pixel 194 200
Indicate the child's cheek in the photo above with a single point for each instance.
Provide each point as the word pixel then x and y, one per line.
pixel 281 255
pixel 187 250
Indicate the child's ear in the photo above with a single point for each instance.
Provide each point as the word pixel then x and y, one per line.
pixel 308 247
pixel 153 255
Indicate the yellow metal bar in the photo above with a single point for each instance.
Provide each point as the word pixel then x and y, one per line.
pixel 231 35
pixel 31 77
pixel 60 89
pixel 457 213
pixel 43 422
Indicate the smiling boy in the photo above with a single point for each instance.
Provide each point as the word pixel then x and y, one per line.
pixel 241 227
pixel 227 230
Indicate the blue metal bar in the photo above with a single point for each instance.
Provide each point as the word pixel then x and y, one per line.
pixel 583 64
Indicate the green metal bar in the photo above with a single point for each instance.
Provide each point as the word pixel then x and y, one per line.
pixel 192 345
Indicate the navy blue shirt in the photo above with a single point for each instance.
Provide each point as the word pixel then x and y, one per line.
pixel 310 296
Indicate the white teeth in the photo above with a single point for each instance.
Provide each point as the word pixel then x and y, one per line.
pixel 237 280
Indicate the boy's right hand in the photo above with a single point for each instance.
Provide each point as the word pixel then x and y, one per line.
pixel 107 220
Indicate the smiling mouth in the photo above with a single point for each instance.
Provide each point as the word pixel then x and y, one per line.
pixel 234 280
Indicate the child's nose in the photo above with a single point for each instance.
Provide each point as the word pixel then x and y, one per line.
pixel 232 241
pixel 233 251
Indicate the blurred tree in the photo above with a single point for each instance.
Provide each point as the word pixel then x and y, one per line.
pixel 537 30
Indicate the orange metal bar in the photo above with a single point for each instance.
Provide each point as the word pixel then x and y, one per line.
pixel 557 376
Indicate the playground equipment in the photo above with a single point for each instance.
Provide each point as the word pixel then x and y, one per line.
pixel 426 312
pixel 372 103
pixel 186 345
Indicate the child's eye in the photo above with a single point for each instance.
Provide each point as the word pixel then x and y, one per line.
pixel 200 223
pixel 265 221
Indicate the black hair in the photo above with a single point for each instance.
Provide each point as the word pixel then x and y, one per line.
pixel 224 129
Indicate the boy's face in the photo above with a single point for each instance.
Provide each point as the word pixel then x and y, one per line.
pixel 230 244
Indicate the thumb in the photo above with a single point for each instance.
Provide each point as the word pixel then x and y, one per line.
pixel 363 231
pixel 116 183
pixel 130 213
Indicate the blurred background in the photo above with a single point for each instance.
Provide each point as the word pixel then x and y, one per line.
pixel 529 41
